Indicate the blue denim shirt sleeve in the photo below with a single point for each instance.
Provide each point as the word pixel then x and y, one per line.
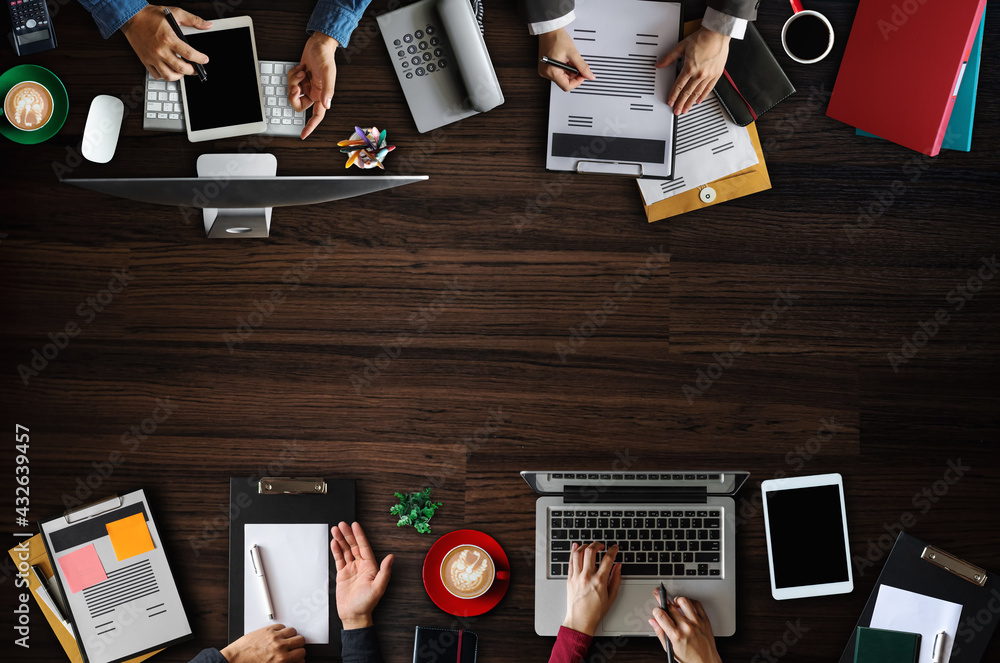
pixel 112 14
pixel 337 18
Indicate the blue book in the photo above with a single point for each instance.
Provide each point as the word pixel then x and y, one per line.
pixel 958 135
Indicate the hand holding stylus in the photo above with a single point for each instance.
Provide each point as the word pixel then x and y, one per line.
pixel 685 627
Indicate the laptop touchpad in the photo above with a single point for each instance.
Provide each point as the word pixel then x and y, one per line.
pixel 631 609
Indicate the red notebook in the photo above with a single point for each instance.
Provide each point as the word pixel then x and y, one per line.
pixel 902 67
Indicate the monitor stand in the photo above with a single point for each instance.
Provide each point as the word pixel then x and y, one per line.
pixel 216 170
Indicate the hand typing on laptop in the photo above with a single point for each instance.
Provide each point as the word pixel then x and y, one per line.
pixel 592 588
pixel 160 50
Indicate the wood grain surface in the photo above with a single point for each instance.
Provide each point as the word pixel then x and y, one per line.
pixel 406 320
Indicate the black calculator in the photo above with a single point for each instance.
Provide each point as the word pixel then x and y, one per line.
pixel 31 26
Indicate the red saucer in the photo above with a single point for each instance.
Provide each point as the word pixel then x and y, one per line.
pixel 432 573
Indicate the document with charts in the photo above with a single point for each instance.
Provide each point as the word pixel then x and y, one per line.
pixel 619 123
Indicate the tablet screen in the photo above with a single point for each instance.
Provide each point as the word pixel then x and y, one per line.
pixel 807 536
pixel 231 95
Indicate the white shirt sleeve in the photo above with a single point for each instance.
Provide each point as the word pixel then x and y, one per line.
pixel 724 24
pixel 548 26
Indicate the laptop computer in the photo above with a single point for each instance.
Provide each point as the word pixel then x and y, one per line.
pixel 678 528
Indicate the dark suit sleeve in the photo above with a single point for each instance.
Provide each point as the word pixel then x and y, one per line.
pixel 739 8
pixel 537 11
pixel 360 645
pixel 209 656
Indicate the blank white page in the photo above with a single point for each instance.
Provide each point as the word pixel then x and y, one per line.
pixel 296 563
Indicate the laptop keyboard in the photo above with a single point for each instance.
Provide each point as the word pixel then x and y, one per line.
pixel 165 110
pixel 668 542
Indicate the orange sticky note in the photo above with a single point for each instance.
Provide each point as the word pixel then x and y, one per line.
pixel 130 536
pixel 82 568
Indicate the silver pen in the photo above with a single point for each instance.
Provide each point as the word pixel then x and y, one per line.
pixel 937 651
pixel 258 570
pixel 42 592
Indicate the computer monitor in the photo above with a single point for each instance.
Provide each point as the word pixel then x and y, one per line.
pixel 237 191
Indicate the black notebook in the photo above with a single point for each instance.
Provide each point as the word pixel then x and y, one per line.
pixel 753 82
pixel 444 645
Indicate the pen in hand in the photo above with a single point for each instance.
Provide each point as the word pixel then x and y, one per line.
pixel 663 606
pixel 561 65
pixel 198 67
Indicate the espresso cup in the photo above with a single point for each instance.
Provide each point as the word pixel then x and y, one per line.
pixel 468 572
pixel 28 106
pixel 807 35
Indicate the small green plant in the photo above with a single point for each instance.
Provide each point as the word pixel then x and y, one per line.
pixel 415 509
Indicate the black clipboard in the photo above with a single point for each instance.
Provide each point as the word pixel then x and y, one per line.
pixel 285 500
pixel 918 567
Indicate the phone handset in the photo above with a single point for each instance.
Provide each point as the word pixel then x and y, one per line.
pixel 470 53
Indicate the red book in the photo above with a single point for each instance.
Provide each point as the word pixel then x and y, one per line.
pixel 902 67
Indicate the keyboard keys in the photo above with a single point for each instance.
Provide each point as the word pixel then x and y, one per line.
pixel 269 90
pixel 560 557
pixel 154 106
pixel 157 85
pixel 640 569
pixel 266 67
pixel 559 534
pixel 562 544
pixel 707 557
pixel 711 523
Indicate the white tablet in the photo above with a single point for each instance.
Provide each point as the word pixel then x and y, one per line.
pixel 231 102
pixel 807 546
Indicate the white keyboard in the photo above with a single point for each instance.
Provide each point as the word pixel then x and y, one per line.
pixel 165 111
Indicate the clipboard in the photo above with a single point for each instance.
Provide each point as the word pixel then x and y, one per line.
pixel 923 569
pixel 741 183
pixel 129 605
pixel 285 500
pixel 32 552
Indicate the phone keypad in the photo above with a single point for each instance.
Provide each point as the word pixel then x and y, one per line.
pixel 421 52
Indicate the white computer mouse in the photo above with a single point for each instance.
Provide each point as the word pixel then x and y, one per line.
pixel 104 123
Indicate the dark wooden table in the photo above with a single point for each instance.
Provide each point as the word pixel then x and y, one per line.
pixel 442 307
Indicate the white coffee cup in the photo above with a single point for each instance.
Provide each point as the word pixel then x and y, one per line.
pixel 799 40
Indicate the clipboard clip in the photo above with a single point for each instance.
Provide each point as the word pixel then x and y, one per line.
pixel 952 564
pixel 115 501
pixel 605 168
pixel 290 486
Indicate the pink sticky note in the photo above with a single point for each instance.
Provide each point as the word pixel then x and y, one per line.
pixel 82 568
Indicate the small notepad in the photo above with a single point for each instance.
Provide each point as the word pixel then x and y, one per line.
pixel 875 645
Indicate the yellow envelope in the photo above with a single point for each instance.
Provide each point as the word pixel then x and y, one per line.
pixel 32 551
pixel 739 184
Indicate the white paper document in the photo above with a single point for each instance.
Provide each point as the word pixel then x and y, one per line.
pixel 296 563
pixel 709 147
pixel 619 123
pixel 901 610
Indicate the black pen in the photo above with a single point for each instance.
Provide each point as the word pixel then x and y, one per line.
pixel 663 606
pixel 202 76
pixel 562 65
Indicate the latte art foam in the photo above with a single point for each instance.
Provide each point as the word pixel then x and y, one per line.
pixel 467 572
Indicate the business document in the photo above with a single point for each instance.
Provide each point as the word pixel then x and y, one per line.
pixel 619 123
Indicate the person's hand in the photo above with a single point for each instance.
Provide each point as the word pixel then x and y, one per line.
pixel 361 582
pixel 158 48
pixel 688 628
pixel 311 83
pixel 271 644
pixel 590 589
pixel 559 46
pixel 705 53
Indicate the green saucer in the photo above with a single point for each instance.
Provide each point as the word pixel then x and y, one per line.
pixel 60 103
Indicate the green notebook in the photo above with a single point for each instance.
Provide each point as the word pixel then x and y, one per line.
pixel 875 645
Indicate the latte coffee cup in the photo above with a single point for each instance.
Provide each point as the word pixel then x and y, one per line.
pixel 468 572
pixel 28 106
